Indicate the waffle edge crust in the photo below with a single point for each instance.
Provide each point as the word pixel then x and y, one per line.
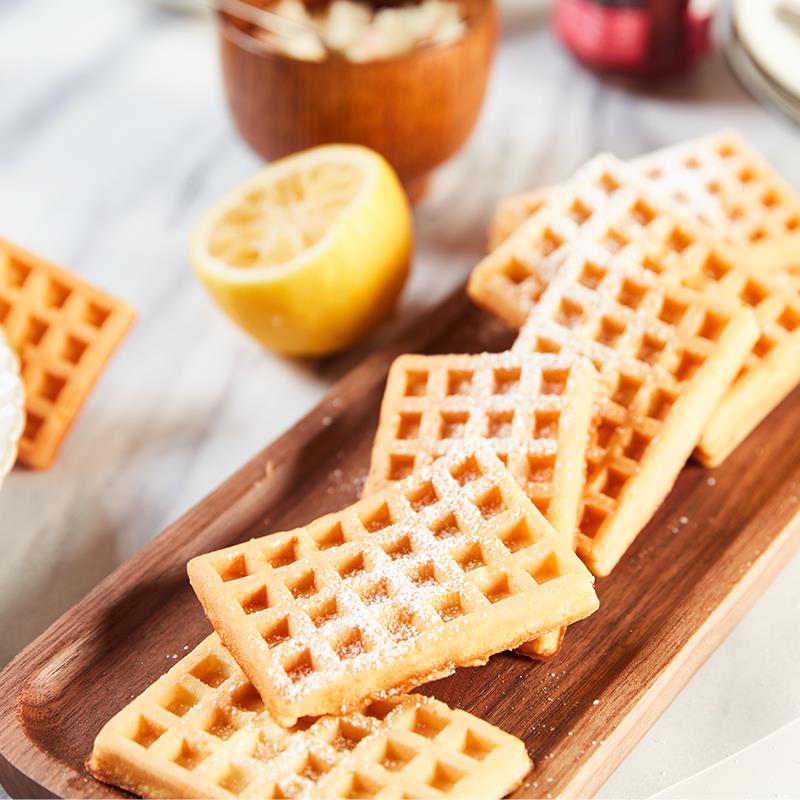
pixel 201 730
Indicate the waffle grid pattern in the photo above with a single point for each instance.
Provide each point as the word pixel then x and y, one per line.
pixel 512 211
pixel 678 251
pixel 717 181
pixel 722 183
pixel 783 258
pixel 534 411
pixel 202 731
pixel 630 225
pixel 64 332
pixel 772 368
pixel 443 570
pixel 665 354
pixel 602 208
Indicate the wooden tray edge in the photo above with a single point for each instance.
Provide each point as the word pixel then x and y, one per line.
pixel 599 767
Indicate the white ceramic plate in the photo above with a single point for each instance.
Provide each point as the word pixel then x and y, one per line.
pixel 12 407
pixel 772 39
pixel 768 768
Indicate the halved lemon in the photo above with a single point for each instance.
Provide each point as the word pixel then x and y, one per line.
pixel 310 254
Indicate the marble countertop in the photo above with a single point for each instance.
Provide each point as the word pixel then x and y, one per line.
pixel 114 137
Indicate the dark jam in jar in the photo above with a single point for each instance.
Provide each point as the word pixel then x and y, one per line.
pixel 638 38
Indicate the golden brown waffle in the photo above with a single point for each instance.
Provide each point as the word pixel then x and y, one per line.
pixel 666 355
pixel 534 411
pixel 772 368
pixel 442 570
pixel 512 211
pixel 201 730
pixel 718 181
pixel 64 331
pixel 782 257
pixel 627 219
pixel 601 206
pixel 721 182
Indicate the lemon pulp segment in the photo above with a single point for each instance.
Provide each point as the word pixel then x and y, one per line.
pixel 274 224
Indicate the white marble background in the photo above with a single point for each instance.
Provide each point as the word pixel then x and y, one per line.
pixel 114 136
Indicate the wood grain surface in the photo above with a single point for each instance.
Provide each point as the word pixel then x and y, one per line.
pixel 706 556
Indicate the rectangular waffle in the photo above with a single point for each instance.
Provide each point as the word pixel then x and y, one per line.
pixel 602 206
pixel 64 331
pixel 677 250
pixel 666 355
pixel 201 730
pixel 534 411
pixel 618 214
pixel 772 368
pixel 719 181
pixel 442 570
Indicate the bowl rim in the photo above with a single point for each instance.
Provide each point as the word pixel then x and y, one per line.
pixel 487 12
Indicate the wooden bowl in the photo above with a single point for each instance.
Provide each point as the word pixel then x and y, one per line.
pixel 416 109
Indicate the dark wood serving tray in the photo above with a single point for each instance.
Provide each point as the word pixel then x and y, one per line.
pixel 675 595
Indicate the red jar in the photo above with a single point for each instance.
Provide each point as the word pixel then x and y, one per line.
pixel 638 38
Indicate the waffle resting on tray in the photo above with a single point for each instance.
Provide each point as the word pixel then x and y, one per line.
pixel 666 355
pixel 442 570
pixel 535 411
pixel 718 181
pixel 202 730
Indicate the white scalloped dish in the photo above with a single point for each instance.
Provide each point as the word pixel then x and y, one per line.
pixel 12 407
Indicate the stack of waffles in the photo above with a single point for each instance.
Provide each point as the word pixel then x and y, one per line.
pixel 498 483
pixel 320 629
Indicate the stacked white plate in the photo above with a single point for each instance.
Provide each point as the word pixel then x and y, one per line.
pixel 12 407
pixel 764 51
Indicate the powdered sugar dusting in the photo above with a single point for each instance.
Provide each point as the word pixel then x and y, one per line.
pixel 390 580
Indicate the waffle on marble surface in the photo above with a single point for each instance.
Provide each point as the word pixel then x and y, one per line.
pixel 719 181
pixel 201 730
pixel 534 411
pixel 64 331
pixel 666 355
pixel 442 570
